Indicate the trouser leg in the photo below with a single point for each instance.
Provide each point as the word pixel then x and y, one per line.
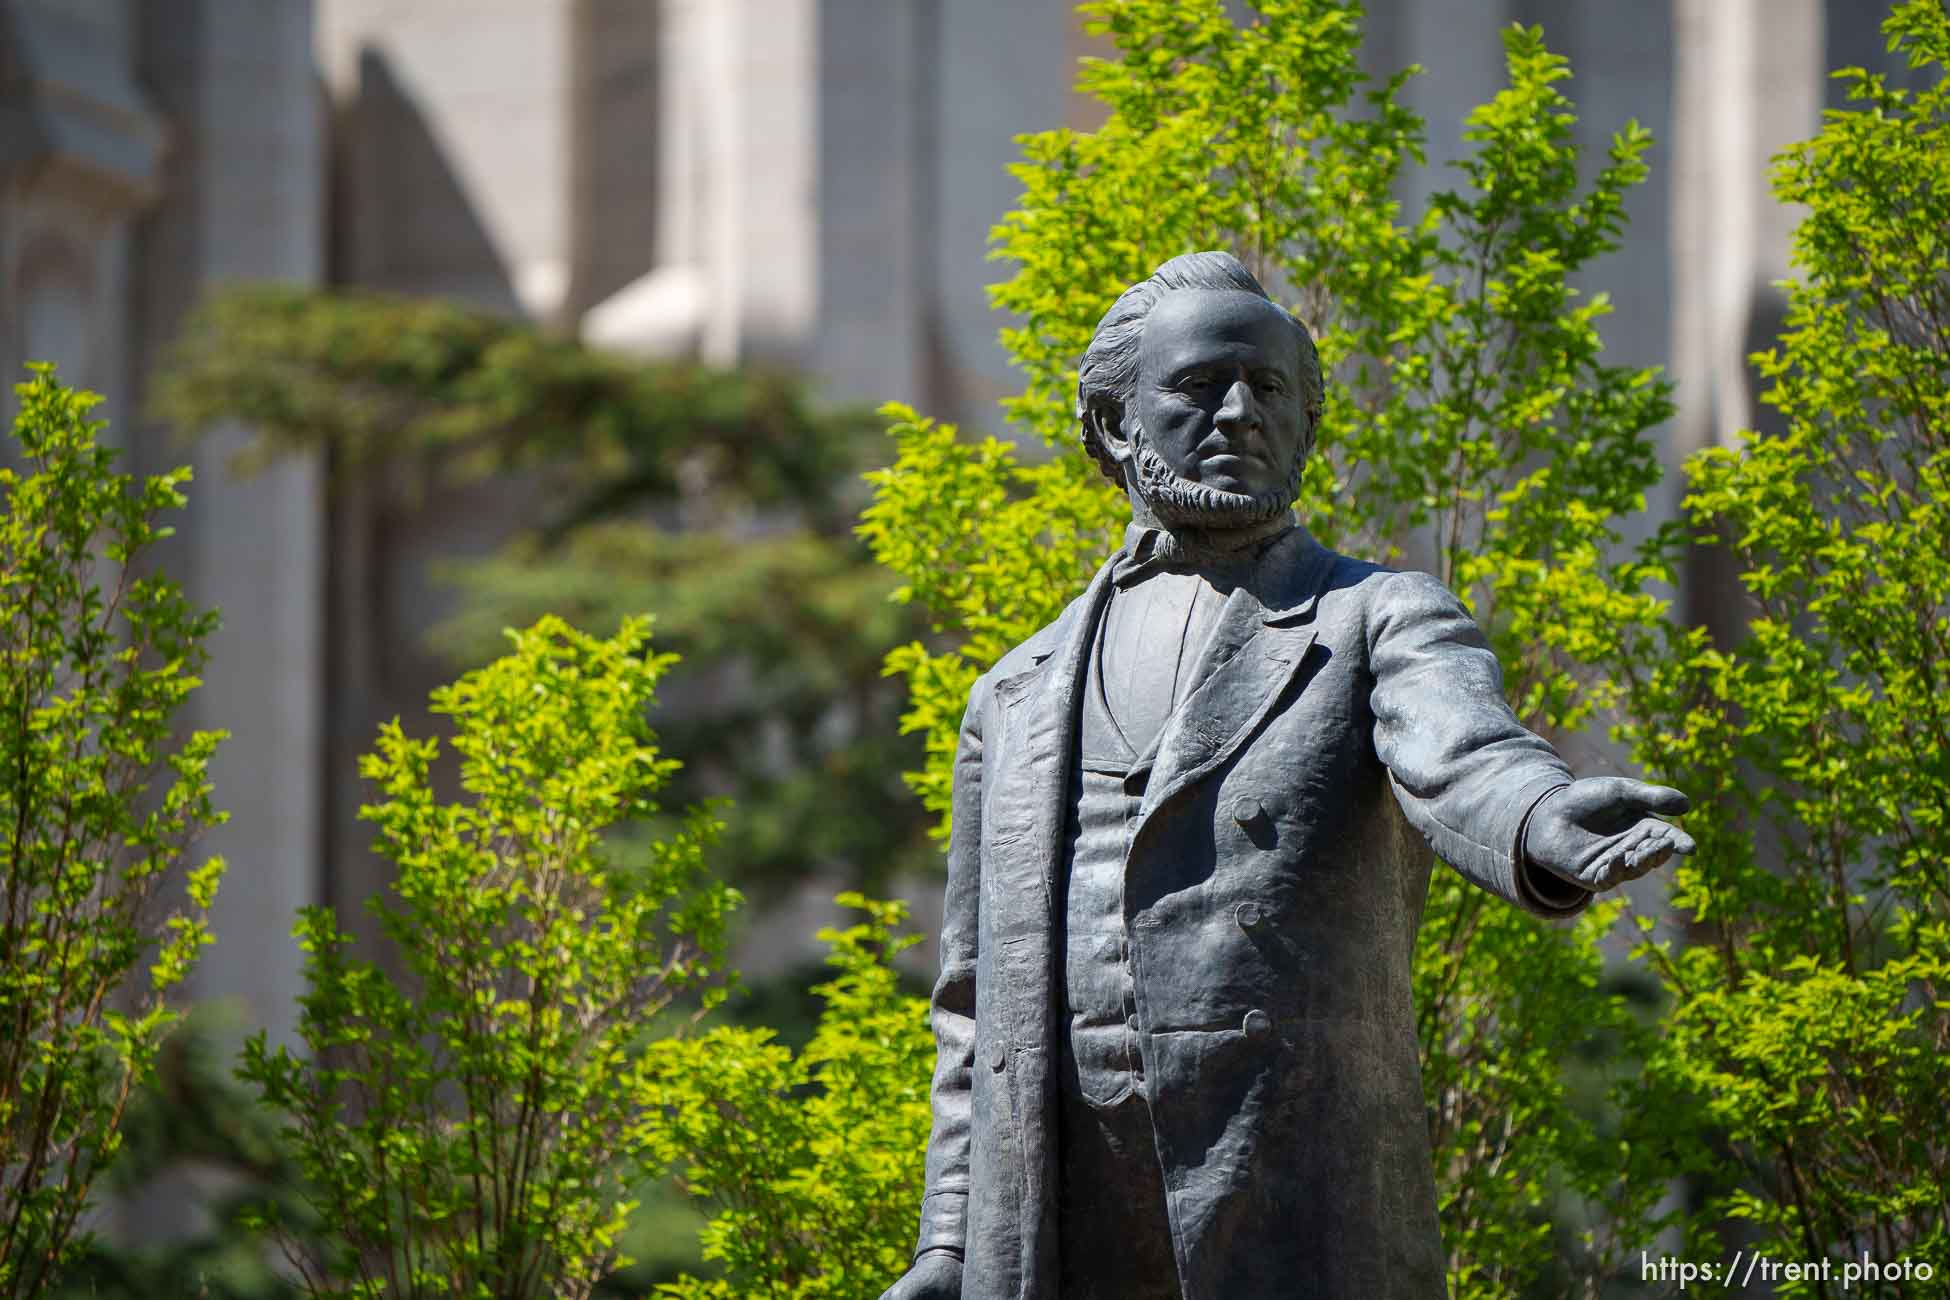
pixel 1114 1235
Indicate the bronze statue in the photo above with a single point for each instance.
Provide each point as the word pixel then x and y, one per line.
pixel 1193 822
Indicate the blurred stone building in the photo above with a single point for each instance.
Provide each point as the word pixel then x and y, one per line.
pixel 804 181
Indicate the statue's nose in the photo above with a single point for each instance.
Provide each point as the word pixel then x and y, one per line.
pixel 1239 410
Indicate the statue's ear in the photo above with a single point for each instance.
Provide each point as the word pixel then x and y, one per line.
pixel 1103 415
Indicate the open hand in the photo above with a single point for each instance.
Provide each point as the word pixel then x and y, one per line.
pixel 935 1276
pixel 1601 832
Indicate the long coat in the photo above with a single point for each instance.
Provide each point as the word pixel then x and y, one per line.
pixel 1344 719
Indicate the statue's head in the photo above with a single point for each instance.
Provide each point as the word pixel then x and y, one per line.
pixel 1199 395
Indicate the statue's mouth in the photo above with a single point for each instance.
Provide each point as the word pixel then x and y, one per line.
pixel 1188 503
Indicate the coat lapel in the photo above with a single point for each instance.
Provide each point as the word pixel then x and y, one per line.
pixel 1225 709
pixel 1039 715
pixel 1255 652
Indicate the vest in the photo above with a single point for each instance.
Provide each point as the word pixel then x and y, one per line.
pixel 1100 995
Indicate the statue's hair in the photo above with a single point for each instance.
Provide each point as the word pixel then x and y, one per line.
pixel 1109 371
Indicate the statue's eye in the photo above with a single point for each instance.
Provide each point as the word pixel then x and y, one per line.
pixel 1271 385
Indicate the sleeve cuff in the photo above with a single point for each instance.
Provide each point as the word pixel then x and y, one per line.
pixel 1545 892
pixel 944 1223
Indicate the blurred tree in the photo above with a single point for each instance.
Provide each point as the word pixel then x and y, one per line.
pixel 1811 1019
pixel 722 499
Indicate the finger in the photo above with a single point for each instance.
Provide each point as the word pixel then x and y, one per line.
pixel 1682 843
pixel 1606 856
pixel 1645 856
pixel 1654 843
pixel 1613 871
pixel 1640 849
pixel 1640 835
pixel 1648 861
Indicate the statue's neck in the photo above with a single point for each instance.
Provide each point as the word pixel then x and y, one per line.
pixel 1144 516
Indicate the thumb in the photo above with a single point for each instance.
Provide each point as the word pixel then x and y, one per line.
pixel 1656 798
pixel 1621 797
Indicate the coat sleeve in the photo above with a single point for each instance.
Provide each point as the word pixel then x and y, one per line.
pixel 1466 772
pixel 944 1205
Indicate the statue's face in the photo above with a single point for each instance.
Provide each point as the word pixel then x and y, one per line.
pixel 1218 391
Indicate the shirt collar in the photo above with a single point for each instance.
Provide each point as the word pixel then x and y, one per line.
pixel 1148 549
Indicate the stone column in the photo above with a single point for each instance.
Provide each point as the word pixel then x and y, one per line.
pixel 80 156
pixel 735 272
pixel 614 82
pixel 875 118
pixel 454 131
pixel 754 116
pixel 1005 67
pixel 1622 70
pixel 1748 81
pixel 243 200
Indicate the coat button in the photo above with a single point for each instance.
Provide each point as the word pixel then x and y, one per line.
pixel 998 1057
pixel 1246 810
pixel 1248 915
pixel 1257 1024
pixel 1110 950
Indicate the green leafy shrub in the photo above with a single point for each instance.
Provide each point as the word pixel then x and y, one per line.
pixel 475 1128
pixel 194 1113
pixel 102 798
pixel 1470 422
pixel 1811 1011
pixel 811 1162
